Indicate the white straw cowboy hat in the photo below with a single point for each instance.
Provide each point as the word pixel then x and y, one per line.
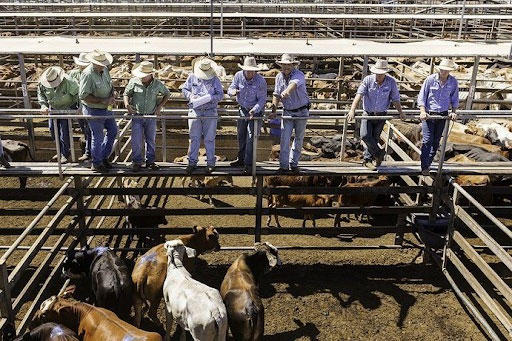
pixel 144 69
pixel 204 68
pixel 447 64
pixel 250 64
pixel 287 59
pixel 99 58
pixel 81 60
pixel 380 67
pixel 52 77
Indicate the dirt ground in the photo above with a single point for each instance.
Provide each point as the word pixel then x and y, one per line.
pixel 316 295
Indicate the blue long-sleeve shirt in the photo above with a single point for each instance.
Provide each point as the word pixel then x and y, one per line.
pixel 377 98
pixel 201 87
pixel 253 92
pixel 436 97
pixel 299 97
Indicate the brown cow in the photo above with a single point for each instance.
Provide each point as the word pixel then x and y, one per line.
pixel 469 180
pixel 240 291
pixel 299 201
pixel 89 322
pixel 362 199
pixel 150 269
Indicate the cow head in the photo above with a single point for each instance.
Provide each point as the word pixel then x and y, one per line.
pixel 176 251
pixel 271 255
pixel 208 239
pixel 77 263
pixel 54 310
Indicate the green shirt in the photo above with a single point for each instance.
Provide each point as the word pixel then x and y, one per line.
pixel 75 74
pixel 96 84
pixel 144 98
pixel 62 97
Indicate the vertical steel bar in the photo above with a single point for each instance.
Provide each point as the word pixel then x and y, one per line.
pixel 5 294
pixel 71 141
pixel 255 132
pixel 461 23
pixel 221 18
pixel 259 208
pixel 472 87
pixel 26 101
pixel 164 141
pixel 343 139
pixel 57 145
pixel 211 28
pixel 80 207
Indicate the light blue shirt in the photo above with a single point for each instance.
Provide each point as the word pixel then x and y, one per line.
pixel 253 93
pixel 299 97
pixel 377 98
pixel 436 97
pixel 200 87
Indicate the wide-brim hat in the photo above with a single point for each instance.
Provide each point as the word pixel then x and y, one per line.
pixel 287 59
pixel 250 64
pixel 52 77
pixel 143 70
pixel 99 58
pixel 204 68
pixel 447 64
pixel 380 67
pixel 81 60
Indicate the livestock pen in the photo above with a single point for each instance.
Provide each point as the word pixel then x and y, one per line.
pixel 85 207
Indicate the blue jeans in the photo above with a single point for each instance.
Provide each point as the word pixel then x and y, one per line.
pixel 432 132
pixel 287 126
pixel 205 128
pixel 63 128
pixel 245 135
pixel 143 130
pixel 84 126
pixel 370 134
pixel 101 144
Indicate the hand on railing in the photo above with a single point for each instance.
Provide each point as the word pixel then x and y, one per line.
pixel 131 109
pixel 350 116
pixel 423 114
pixel 45 110
pixel 453 116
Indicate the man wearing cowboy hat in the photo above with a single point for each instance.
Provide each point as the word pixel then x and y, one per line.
pixel 290 89
pixel 250 89
pixel 203 91
pixel 378 91
pixel 75 74
pixel 56 90
pixel 97 96
pixel 141 98
pixel 439 92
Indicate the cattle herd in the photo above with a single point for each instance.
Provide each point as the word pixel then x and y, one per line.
pixel 163 271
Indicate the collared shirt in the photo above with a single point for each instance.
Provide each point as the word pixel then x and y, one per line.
pixel 96 84
pixel 253 92
pixel 144 98
pixel 201 87
pixel 299 97
pixel 376 98
pixel 62 97
pixel 75 74
pixel 436 97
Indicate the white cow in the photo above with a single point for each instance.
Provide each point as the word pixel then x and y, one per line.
pixel 497 133
pixel 196 307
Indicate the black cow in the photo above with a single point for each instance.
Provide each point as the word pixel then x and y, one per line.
pixel 110 278
pixel 46 332
pixel 18 152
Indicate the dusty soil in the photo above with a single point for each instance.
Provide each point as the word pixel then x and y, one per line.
pixel 316 295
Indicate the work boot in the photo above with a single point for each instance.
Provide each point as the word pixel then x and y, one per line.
pixel 152 166
pixel 237 163
pixel 63 159
pixel 4 162
pixel 425 172
pixel 282 171
pixel 210 169
pixel 247 170
pixel 136 167
pixel 190 168
pixel 294 169
pixel 369 164
pixel 84 157
pixel 99 168
pixel 380 158
pixel 107 164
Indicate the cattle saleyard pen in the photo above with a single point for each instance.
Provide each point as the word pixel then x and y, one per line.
pixel 88 208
